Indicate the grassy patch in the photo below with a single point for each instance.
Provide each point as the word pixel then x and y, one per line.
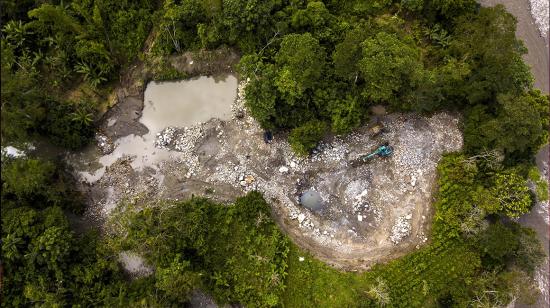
pixel 419 279
pixel 311 283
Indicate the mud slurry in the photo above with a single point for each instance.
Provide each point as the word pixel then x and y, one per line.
pixel 371 213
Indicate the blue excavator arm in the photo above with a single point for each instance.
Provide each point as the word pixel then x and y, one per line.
pixel 382 151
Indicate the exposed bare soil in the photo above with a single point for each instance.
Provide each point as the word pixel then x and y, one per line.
pixel 372 212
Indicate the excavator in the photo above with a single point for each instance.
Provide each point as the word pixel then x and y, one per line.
pixel 384 150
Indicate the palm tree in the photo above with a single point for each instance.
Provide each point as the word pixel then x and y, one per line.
pixel 89 74
pixel 82 116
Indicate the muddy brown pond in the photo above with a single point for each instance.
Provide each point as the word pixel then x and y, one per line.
pixel 166 104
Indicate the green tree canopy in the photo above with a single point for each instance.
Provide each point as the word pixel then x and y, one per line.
pixel 37 183
pixel 511 194
pixel 487 40
pixel 304 138
pixel 347 54
pixel 519 128
pixel 300 62
pixel 387 65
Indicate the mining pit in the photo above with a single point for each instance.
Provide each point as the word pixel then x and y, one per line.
pixel 364 213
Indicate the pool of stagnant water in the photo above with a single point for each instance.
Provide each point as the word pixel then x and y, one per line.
pixel 312 200
pixel 166 104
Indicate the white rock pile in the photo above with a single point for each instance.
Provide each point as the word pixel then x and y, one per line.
pixel 105 144
pixel 12 152
pixel 401 229
pixel 165 137
pixel 539 11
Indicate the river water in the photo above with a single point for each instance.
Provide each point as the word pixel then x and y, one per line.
pixel 538 59
pixel 166 104
pixel 538 219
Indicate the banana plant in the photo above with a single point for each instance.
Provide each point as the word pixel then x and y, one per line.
pixel 82 116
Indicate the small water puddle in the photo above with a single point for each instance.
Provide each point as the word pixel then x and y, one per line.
pixel 180 103
pixel 312 200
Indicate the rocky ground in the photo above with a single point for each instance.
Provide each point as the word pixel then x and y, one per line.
pixel 371 212
pixel 540 13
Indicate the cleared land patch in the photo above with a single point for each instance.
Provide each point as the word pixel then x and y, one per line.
pixel 370 213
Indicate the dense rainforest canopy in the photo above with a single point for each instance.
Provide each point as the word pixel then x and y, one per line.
pixel 313 68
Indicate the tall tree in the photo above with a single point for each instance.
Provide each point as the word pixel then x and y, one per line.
pixel 488 43
pixel 388 64
pixel 300 62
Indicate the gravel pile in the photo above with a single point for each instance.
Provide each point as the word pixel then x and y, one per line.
pixel 183 140
pixel 104 143
pixel 356 199
pixel 336 151
pixel 356 194
pixel 401 229
pixel 165 138
pixel 540 11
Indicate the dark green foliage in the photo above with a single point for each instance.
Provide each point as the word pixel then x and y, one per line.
pixel 488 41
pixel 454 54
pixel 91 37
pixel 261 97
pixel 439 87
pixel 469 190
pixel 51 49
pixel 504 287
pixel 530 253
pixel 21 97
pixel 245 19
pixel 387 64
pixel 38 184
pixel 317 20
pixel 510 245
pixel 177 280
pixel 347 54
pixel 48 264
pixel 69 125
pixel 303 139
pixel 499 243
pixel 440 9
pixel 177 29
pixel 346 115
pixel 17 9
pixel 236 251
pixel 26 110
pixel 300 61
pixel 518 126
